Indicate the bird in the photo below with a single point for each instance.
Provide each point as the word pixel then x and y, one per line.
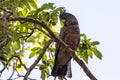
pixel 70 34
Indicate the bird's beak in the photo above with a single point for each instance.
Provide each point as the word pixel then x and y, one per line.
pixel 63 20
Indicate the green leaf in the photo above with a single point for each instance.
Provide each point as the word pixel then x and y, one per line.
pixel 42 66
pixel 20 13
pixel 17 45
pixel 79 53
pixel 33 4
pixel 32 14
pixel 95 43
pixel 51 49
pixel 44 57
pixel 24 11
pixel 47 6
pixel 32 54
pixel 51 63
pixel 84 36
pixel 26 4
pixel 47 72
pixel 84 56
pixel 97 53
pixel 43 75
pixel 60 9
pixel 35 48
pixel 31 39
pixel 89 52
pixel 19 66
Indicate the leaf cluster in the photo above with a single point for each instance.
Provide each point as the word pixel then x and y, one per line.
pixel 18 5
pixel 87 48
pixel 25 38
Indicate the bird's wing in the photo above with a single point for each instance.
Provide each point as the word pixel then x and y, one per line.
pixel 61 36
pixel 57 70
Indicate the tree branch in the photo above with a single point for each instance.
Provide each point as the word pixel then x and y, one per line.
pixel 18 57
pixel 5 27
pixel 6 65
pixel 43 32
pixel 38 59
pixel 11 75
pixel 9 62
pixel 32 31
pixel 56 39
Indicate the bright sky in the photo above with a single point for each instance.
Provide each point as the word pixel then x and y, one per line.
pixel 99 20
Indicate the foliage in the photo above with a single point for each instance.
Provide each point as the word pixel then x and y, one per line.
pixel 87 48
pixel 23 38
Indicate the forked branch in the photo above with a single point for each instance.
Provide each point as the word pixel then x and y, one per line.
pixel 58 40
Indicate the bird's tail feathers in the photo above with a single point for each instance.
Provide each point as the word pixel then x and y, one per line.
pixel 69 70
pixel 59 70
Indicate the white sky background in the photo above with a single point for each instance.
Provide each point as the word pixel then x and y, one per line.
pixel 99 20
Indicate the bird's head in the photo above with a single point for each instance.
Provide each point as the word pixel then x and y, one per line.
pixel 68 19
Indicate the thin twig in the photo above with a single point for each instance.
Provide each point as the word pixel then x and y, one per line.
pixel 21 62
pixel 11 75
pixel 6 65
pixel 36 27
pixel 9 62
pixel 21 76
pixel 43 32
pixel 28 34
pixel 38 59
pixel 32 31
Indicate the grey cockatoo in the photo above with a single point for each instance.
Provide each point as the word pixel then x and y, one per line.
pixel 70 34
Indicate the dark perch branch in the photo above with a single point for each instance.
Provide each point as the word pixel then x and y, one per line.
pixel 79 61
pixel 38 59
